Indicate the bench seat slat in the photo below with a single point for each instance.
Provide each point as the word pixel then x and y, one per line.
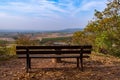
pixel 54 56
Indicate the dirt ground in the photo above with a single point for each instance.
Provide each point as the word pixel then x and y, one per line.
pixel 97 67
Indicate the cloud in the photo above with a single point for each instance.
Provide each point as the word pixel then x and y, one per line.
pixel 25 23
pixel 42 14
pixel 46 7
pixel 90 6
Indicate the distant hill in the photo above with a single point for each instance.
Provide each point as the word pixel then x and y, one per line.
pixel 69 30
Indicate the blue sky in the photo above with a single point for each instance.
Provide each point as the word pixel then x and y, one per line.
pixel 47 14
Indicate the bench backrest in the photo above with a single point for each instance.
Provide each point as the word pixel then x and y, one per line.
pixel 22 50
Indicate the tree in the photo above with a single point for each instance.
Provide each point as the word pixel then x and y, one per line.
pixel 78 37
pixel 3 43
pixel 106 28
pixel 102 32
pixel 82 38
pixel 26 40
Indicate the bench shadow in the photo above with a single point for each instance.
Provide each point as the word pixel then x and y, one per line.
pixel 69 62
pixel 88 65
pixel 93 72
pixel 33 70
pixel 85 62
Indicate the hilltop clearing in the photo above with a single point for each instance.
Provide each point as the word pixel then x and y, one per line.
pixel 98 67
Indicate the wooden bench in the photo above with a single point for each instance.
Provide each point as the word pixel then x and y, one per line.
pixel 78 52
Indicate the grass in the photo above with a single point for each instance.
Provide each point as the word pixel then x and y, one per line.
pixel 57 39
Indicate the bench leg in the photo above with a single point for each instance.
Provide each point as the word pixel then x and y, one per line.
pixel 77 62
pixel 29 63
pixel 81 61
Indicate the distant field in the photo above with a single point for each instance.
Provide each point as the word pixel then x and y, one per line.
pixel 57 39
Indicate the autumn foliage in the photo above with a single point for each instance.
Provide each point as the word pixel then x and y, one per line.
pixel 103 32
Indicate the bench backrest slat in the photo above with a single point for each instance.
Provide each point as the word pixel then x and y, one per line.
pixel 54 47
pixel 48 52
pixel 53 52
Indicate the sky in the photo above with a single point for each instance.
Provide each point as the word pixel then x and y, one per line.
pixel 47 14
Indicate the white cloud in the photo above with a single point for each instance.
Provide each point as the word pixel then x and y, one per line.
pixel 93 4
pixel 42 14
pixel 90 6
pixel 2 14
pixel 41 7
pixel 25 23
